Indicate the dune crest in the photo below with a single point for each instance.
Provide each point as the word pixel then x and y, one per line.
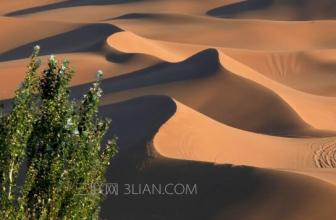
pixel 236 96
pixel 298 100
pixel 190 141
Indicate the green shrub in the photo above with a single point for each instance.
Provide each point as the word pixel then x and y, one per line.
pixel 58 142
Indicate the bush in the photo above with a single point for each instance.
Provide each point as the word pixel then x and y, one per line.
pixel 58 142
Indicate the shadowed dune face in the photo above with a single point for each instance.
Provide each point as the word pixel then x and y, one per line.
pixel 144 114
pixel 240 7
pixel 224 94
pixel 134 16
pixel 222 190
pixel 245 34
pixel 175 52
pixel 95 35
pixel 227 94
pixel 67 4
pixel 16 28
pixel 201 65
pixel 277 10
pixel 239 102
pixel 9 5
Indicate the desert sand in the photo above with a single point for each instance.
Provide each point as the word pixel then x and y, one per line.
pixel 238 97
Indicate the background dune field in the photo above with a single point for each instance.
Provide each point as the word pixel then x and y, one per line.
pixel 236 96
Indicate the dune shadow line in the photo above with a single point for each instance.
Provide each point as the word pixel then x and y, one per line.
pixel 201 65
pixel 68 4
pixel 239 7
pixel 135 122
pixel 91 37
pixel 139 118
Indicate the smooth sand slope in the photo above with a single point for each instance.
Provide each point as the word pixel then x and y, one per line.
pixel 289 67
pixel 235 96
pixel 9 5
pixel 224 190
pixel 298 100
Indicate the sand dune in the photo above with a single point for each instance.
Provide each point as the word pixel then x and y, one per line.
pixel 232 33
pixel 94 40
pixel 17 27
pixel 113 64
pixel 277 10
pixel 280 119
pixel 258 192
pixel 65 4
pixel 298 100
pixel 236 96
pixel 9 5
pixel 191 142
pixel 307 71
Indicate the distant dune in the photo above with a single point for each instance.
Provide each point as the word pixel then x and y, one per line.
pixel 236 96
pixel 277 10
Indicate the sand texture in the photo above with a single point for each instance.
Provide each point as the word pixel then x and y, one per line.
pixel 236 96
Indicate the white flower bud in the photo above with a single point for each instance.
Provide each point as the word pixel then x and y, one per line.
pixel 99 74
pixel 52 57
pixel 37 48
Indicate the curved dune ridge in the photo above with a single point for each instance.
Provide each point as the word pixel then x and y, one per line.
pixel 261 198
pixel 234 33
pixel 236 96
pixel 300 101
pixel 249 149
pixel 277 10
pixel 203 70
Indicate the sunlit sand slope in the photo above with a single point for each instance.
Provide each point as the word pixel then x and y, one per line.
pixel 235 96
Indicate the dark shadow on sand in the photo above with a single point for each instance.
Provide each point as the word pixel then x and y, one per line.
pixel 138 118
pixel 239 7
pixel 300 10
pixel 134 16
pixel 219 187
pixel 67 4
pixel 87 38
pixel 200 65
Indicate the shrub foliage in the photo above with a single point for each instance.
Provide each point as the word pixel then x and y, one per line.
pixel 55 144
